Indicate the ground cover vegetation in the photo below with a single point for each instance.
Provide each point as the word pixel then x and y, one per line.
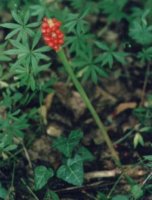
pixel 75 100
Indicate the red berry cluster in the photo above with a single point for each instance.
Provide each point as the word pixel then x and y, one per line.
pixel 52 34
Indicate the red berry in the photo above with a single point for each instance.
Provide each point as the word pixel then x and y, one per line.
pixel 52 35
pixel 61 41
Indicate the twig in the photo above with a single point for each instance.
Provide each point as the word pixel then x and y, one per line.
pixel 27 155
pixel 148 177
pixel 11 188
pixel 102 174
pixel 114 186
pixel 145 84
pixel 29 189
pixel 124 137
pixel 133 172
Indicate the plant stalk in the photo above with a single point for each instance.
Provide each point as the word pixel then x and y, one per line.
pixel 89 105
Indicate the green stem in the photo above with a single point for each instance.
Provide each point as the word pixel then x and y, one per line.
pixel 86 100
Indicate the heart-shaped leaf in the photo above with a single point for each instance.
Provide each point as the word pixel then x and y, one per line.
pixel 41 176
pixel 72 172
pixel 66 145
pixel 120 197
pixel 51 195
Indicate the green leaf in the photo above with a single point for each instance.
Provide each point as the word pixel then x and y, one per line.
pixel 85 154
pixel 145 54
pixel 77 42
pixel 10 147
pixel 67 145
pixel 120 57
pixel 109 54
pixel 72 172
pixel 102 45
pixel 10 25
pixel 26 17
pixel 17 17
pixel 41 176
pixel 113 9
pixel 137 192
pixel 50 195
pixel 75 22
pixel 120 197
pixel 3 55
pixel 3 192
pixel 140 32
pixel 138 139
pixel 101 196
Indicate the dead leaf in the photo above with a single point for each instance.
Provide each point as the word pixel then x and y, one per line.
pixel 124 106
pixel 43 113
pixel 43 110
pixel 54 130
pixel 48 101
pixel 71 99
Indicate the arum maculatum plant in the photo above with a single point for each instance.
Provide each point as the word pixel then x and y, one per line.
pixel 54 38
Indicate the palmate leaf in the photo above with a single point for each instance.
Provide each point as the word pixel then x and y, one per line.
pixel 75 22
pixel 109 54
pixel 87 4
pixel 88 66
pixel 113 9
pixel 93 71
pixel 10 130
pixel 41 176
pixel 77 43
pixel 42 9
pixel 21 29
pixel 3 56
pixel 148 161
pixel 28 54
pixel 145 54
pixel 72 172
pixel 67 145
pixel 140 32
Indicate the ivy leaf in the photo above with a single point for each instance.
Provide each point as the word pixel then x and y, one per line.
pixel 50 195
pixel 137 191
pixel 101 196
pixel 41 176
pixel 66 145
pixel 120 197
pixel 85 154
pixel 3 192
pixel 72 172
